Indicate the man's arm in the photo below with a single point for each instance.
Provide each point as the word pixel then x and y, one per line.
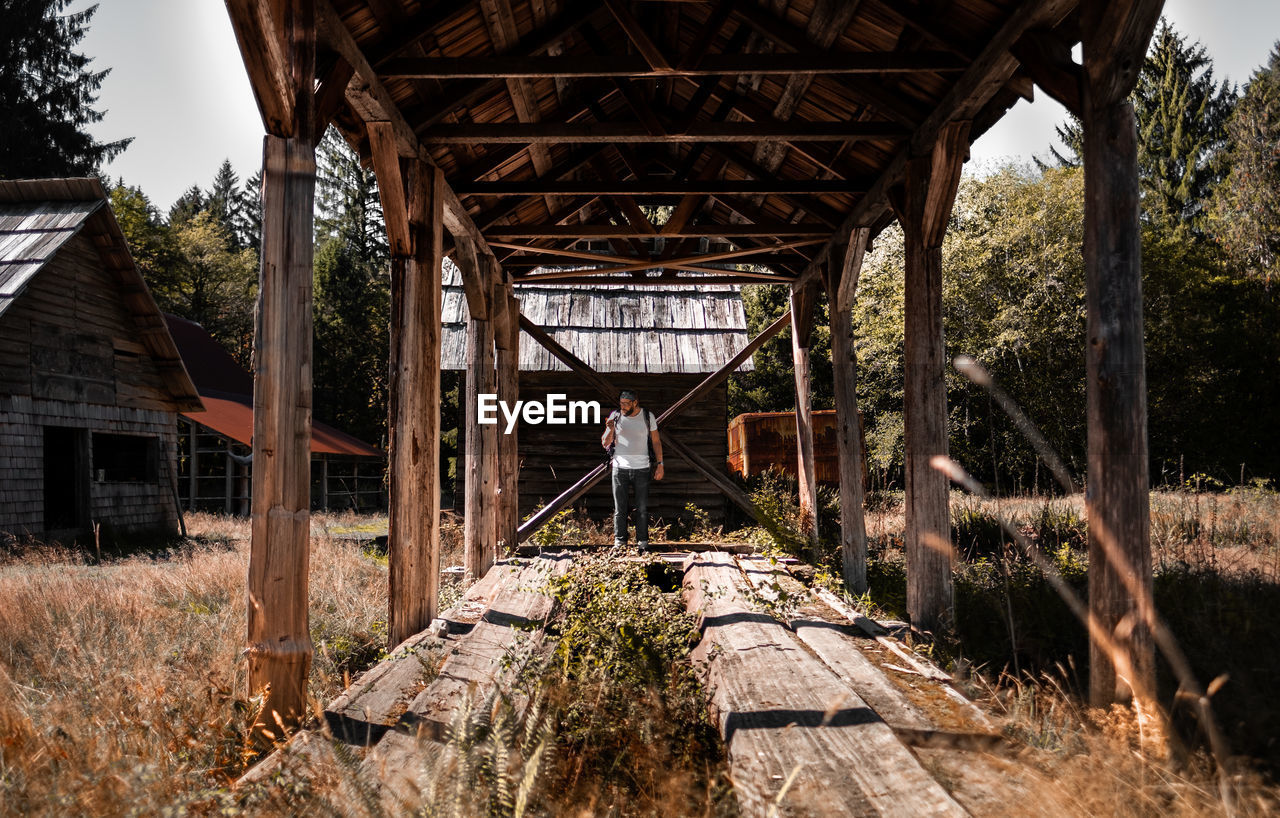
pixel 657 451
pixel 606 439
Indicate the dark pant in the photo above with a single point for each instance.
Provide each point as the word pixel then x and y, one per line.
pixel 639 480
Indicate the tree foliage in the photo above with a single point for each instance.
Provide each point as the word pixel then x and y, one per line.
pixel 1182 118
pixel 47 93
pixel 1245 209
pixel 352 295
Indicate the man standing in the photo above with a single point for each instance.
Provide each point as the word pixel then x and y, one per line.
pixel 631 434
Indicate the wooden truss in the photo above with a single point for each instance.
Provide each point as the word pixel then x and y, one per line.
pixel 716 141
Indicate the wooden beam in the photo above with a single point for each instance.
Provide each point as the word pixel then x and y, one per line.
pixel 507 340
pixel 480 456
pixel 614 231
pixel 1117 502
pixel 391 188
pixel 370 98
pixel 413 528
pixel 630 66
pixel 841 269
pixel 1046 57
pixel 660 187
pixel 331 95
pixel 632 132
pixel 924 206
pixel 279 641
pixel 644 264
pixel 719 479
pixel 979 83
pixel 653 56
pixel 260 34
pixel 657 281
pixel 804 300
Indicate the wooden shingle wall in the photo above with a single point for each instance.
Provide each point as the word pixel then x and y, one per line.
pixel 69 358
pixel 553 457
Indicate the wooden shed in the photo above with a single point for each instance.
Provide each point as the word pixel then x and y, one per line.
pixel 659 342
pixel 787 134
pixel 216 444
pixel 90 380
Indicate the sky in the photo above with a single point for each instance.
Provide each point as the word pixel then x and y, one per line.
pixel 178 87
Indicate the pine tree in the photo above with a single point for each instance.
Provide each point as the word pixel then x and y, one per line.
pixel 47 93
pixel 227 204
pixel 1245 211
pixel 352 294
pixel 1182 115
pixel 191 203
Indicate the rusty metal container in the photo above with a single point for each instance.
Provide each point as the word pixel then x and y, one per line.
pixel 759 441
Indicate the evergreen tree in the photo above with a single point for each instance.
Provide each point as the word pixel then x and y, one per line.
pixel 1182 115
pixel 148 236
pixel 1245 210
pixel 227 204
pixel 47 93
pixel 253 211
pixel 192 202
pixel 352 295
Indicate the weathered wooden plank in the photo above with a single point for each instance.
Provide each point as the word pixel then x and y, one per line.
pixel 479 663
pixel 279 642
pixel 923 207
pixel 786 717
pixel 803 303
pixel 1117 503
pixel 628 132
pixel 481 454
pixel 413 528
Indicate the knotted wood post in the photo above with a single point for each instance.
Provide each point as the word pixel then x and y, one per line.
pixel 923 206
pixel 412 209
pixel 481 456
pixel 279 642
pixel 803 302
pixel 1116 499
pixel 843 266
pixel 507 340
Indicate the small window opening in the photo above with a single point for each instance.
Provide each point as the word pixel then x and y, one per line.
pixel 126 458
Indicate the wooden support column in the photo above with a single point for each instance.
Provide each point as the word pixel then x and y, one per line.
pixel 479 529
pixel 280 647
pixel 411 206
pixel 507 340
pixel 803 301
pixel 1116 499
pixel 923 205
pixel 841 280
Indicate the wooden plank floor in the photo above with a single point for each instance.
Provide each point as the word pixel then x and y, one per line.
pixel 821 713
pixel 799 737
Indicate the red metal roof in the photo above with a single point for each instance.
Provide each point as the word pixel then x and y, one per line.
pixel 227 392
pixel 233 418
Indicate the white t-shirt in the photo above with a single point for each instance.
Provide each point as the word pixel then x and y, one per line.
pixel 631 439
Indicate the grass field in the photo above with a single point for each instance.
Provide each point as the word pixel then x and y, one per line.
pixel 122 688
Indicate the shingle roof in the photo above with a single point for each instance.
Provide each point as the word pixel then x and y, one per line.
pixel 615 328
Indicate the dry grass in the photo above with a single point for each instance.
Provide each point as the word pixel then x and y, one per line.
pixel 121 683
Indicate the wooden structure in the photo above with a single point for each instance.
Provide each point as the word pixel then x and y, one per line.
pixel 760 441
pixel 215 446
pixel 785 134
pixel 90 381
pixel 657 341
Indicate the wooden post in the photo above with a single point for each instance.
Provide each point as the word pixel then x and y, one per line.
pixel 193 466
pixel 803 301
pixel 1116 499
pixel 507 340
pixel 413 534
pixel 923 206
pixel 479 526
pixel 280 647
pixel 843 268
